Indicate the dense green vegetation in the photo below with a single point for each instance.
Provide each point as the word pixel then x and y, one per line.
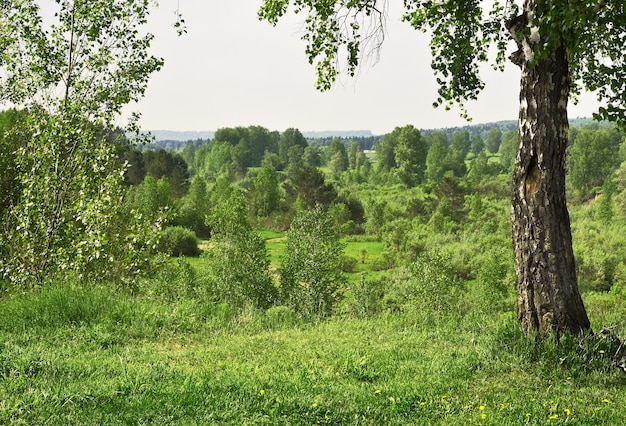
pixel 91 355
pixel 330 285
pixel 378 291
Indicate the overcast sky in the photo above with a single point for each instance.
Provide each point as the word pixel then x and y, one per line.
pixel 231 69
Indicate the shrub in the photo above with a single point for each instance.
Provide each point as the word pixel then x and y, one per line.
pixel 367 297
pixel 178 241
pixel 384 262
pixel 173 280
pixel 428 287
pixel 238 262
pixel 493 286
pixel 309 273
pixel 347 263
pixel 351 228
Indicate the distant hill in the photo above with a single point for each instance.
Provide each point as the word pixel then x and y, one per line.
pixel 338 134
pixel 170 139
pixel 172 135
pixel 481 128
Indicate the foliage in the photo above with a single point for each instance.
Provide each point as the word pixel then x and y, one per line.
pixel 288 139
pixel 410 155
pixel 309 271
pixel 478 144
pixel 507 150
pixel 164 163
pixel 593 156
pixel 494 139
pixel 178 241
pixel 193 207
pixel 427 286
pixel 237 259
pixel 151 197
pixel 309 184
pixel 266 195
pixel 172 281
pixel 72 80
pixel 10 141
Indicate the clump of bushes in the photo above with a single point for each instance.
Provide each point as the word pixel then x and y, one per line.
pixel 178 241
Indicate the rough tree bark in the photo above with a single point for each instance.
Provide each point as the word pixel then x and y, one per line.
pixel 548 299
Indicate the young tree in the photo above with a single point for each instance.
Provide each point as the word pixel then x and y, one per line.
pixel 309 272
pixel 290 137
pixel 461 141
pixel 386 152
pixel 238 259
pixel 308 183
pixel 592 157
pixel 72 74
pixel 435 161
pixel 336 157
pixel 353 155
pixel 478 144
pixel 194 207
pixel 507 150
pixel 266 195
pixel 494 139
pixel 410 154
pixel 561 47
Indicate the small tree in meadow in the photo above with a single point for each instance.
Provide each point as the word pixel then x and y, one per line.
pixel 310 274
pixel 237 258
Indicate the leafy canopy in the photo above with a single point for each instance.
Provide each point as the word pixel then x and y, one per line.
pixel 71 66
pixel 340 33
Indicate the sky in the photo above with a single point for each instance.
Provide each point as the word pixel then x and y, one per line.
pixel 231 69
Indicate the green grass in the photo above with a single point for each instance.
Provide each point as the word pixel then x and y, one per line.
pixel 366 252
pixel 75 355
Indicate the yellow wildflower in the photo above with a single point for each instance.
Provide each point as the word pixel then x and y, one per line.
pixel 483 416
pixel 377 391
pixel 314 405
pixel 262 392
pixel 567 411
pixel 481 408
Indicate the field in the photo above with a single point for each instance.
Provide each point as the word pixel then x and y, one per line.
pixel 70 355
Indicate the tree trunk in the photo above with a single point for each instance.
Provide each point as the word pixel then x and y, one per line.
pixel 547 292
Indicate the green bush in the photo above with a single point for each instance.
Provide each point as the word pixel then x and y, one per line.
pixel 173 280
pixel 347 263
pixel 428 287
pixel 384 262
pixel 178 241
pixel 367 297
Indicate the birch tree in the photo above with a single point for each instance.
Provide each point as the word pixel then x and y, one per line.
pixel 71 66
pixel 562 48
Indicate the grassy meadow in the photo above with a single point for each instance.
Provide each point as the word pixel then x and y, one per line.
pixel 75 355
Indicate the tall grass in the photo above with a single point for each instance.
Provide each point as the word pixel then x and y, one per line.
pixel 91 355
